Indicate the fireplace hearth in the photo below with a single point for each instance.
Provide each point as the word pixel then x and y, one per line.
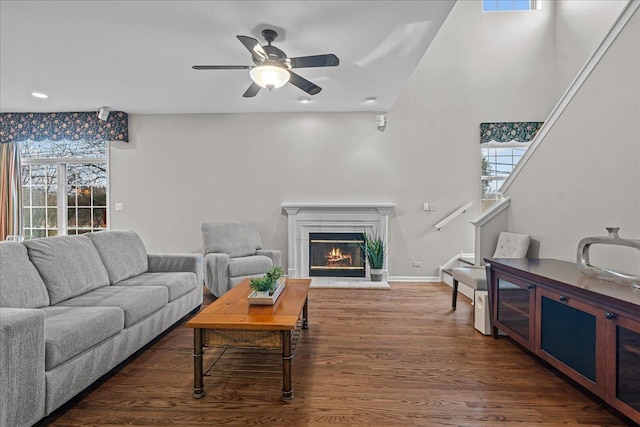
pixel 336 255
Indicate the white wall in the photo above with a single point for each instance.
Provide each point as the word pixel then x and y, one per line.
pixel 181 170
pixel 580 26
pixel 585 175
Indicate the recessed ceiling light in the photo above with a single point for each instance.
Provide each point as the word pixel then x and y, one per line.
pixel 371 99
pixel 39 95
pixel 304 100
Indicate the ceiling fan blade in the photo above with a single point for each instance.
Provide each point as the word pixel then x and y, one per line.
pixel 304 84
pixel 254 47
pixel 251 91
pixel 329 60
pixel 221 67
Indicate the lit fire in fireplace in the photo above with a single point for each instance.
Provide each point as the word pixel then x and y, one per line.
pixel 335 258
pixel 336 255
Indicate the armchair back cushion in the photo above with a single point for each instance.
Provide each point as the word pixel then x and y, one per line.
pixel 22 286
pixel 235 239
pixel 512 245
pixel 122 253
pixel 69 265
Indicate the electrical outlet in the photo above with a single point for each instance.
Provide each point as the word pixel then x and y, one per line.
pixel 119 206
pixel 430 207
pixel 417 264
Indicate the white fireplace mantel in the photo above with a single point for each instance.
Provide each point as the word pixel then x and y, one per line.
pixel 305 218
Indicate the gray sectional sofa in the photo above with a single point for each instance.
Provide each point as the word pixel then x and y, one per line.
pixel 74 307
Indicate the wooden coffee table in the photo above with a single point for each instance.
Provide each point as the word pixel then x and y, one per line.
pixel 231 322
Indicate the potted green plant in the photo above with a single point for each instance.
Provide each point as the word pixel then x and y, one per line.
pixel 264 286
pixel 375 250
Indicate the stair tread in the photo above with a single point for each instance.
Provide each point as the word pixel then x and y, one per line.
pixel 467 260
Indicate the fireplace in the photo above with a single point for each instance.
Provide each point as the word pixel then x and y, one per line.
pixel 336 255
pixel 304 219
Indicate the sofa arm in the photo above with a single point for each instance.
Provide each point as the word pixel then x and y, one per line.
pixel 274 254
pixel 216 273
pixel 176 263
pixel 22 382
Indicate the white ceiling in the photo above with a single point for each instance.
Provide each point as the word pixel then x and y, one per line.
pixel 136 56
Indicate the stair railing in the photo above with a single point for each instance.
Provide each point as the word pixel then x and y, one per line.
pixel 453 215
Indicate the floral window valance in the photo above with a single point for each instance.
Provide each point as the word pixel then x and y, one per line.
pixel 73 126
pixel 509 131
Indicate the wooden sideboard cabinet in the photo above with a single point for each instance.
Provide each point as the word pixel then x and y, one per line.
pixel 587 328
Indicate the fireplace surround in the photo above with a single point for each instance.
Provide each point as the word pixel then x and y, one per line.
pixel 306 218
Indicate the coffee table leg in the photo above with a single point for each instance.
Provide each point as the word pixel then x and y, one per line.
pixel 198 383
pixel 305 314
pixel 287 390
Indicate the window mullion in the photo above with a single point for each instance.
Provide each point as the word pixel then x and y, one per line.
pixel 108 177
pixel 62 199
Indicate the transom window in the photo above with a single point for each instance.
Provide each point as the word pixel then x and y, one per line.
pixel 510 5
pixel 65 187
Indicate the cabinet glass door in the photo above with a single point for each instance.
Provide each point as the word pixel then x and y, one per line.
pixel 569 335
pixel 514 308
pixel 628 374
pixel 623 365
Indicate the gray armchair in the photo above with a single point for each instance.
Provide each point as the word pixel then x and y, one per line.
pixel 510 245
pixel 233 252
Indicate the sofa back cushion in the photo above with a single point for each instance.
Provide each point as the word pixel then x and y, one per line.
pixel 235 239
pixel 69 265
pixel 122 253
pixel 20 284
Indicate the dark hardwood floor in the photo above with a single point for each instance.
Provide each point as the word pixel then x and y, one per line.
pixel 370 358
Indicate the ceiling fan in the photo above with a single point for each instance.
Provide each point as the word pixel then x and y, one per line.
pixel 272 66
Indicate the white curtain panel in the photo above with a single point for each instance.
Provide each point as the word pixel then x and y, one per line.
pixel 10 190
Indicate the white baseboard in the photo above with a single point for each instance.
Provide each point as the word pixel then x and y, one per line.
pixel 417 279
pixel 447 279
pixel 465 290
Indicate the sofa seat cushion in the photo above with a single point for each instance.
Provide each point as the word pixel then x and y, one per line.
pixel 22 286
pixel 137 302
pixel 176 283
pixel 69 265
pixel 122 253
pixel 249 265
pixel 70 331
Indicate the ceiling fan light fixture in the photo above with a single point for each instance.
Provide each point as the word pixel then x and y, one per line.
pixel 269 76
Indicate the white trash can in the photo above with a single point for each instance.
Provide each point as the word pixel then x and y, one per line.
pixel 482 312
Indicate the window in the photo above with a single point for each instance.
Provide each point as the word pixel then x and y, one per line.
pixel 502 146
pixel 65 187
pixel 510 5
pixel 498 160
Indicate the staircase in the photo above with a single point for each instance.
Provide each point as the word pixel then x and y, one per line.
pixel 460 260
